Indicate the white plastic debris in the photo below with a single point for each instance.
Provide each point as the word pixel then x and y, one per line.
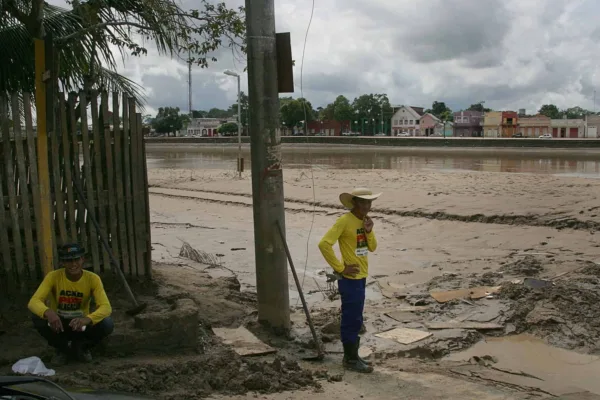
pixel 33 366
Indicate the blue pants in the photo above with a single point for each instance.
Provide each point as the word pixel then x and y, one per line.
pixel 352 292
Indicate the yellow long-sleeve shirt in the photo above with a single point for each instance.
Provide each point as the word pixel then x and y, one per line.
pixel 71 299
pixel 354 244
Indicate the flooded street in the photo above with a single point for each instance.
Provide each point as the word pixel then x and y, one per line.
pixel 569 163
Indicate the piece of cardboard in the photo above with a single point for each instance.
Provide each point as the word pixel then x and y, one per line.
pixel 472 293
pixel 404 335
pixel 243 341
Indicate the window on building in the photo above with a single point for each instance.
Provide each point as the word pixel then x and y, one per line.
pixel 411 122
pixel 465 120
pixel 417 122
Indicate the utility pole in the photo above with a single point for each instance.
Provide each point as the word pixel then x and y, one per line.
pixel 190 84
pixel 267 175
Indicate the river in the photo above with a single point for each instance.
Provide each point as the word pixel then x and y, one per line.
pixel 558 162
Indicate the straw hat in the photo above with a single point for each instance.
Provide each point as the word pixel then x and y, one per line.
pixel 361 193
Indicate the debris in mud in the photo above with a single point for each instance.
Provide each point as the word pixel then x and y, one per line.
pixel 220 372
pixel 565 314
pixel 487 279
pixel 528 266
pixel 198 256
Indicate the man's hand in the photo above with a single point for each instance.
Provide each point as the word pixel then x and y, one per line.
pixel 78 323
pixel 351 269
pixel 54 321
pixel 368 224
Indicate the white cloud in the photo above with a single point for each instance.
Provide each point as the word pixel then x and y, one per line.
pixel 511 54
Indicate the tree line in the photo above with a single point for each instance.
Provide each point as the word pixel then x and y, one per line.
pixel 368 113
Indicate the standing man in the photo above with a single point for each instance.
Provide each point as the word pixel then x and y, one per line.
pixel 354 232
pixel 66 323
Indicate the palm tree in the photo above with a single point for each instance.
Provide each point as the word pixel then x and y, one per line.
pixel 86 35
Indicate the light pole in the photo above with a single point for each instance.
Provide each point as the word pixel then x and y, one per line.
pixel 239 124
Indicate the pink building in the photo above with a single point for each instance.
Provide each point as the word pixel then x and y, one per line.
pixel 430 125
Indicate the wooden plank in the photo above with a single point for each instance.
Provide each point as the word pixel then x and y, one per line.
pixel 464 325
pixel 33 176
pixel 118 158
pixel 78 169
pixel 4 245
pixel 19 265
pixel 139 251
pixel 136 166
pixel 243 341
pixel 58 194
pixel 109 172
pixel 22 173
pixel 148 236
pixel 89 183
pixel 68 184
pixel 97 166
pixel 129 205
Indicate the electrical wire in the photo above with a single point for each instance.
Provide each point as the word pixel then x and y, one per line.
pixel 312 223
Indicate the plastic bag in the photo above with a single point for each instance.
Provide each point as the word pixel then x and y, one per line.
pixel 33 366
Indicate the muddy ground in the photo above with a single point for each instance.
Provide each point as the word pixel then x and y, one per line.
pixel 437 232
pixel 196 372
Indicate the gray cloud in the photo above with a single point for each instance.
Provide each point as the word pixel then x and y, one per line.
pixel 512 54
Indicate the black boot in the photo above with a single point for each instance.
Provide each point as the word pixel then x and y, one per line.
pixel 351 360
pixel 359 357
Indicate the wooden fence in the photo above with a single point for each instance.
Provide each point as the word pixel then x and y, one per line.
pixel 98 145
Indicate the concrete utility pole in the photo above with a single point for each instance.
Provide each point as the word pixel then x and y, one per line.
pixel 267 175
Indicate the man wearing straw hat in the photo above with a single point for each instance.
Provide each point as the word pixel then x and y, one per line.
pixel 354 233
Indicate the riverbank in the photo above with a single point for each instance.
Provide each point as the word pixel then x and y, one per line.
pixel 517 143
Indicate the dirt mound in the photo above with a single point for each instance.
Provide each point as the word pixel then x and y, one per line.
pixel 565 315
pixel 220 372
pixel 528 266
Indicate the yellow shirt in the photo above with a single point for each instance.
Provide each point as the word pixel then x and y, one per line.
pixel 354 244
pixel 71 299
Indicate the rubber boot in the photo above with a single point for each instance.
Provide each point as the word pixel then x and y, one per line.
pixel 359 357
pixel 351 360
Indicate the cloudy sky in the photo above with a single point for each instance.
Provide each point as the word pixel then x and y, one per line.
pixel 509 53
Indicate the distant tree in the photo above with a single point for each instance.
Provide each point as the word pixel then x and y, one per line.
pixel 199 114
pixel 218 113
pixel 576 113
pixel 327 113
pixel 368 110
pixel 168 120
pixel 550 111
pixel 478 107
pixel 342 109
pixel 228 128
pixel 447 116
pixel 438 108
pixel 233 110
pixel 294 111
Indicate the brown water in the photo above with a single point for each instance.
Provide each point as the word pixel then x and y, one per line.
pixel 575 163
pixel 525 353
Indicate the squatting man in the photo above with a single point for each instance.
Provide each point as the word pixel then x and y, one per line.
pixel 354 233
pixel 61 308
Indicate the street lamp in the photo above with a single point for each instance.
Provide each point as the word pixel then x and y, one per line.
pixel 239 160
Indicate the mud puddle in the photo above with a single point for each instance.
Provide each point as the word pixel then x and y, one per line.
pixel 530 355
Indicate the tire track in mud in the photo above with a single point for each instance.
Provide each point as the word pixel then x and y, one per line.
pixel 213 196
